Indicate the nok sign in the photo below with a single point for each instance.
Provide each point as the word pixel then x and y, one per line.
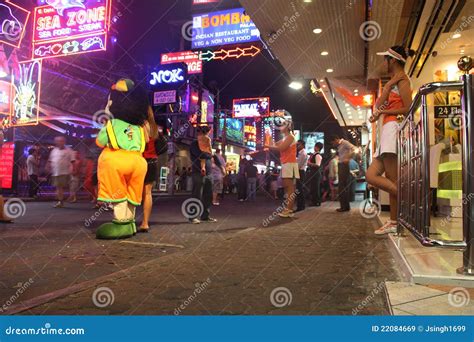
pixel 169 77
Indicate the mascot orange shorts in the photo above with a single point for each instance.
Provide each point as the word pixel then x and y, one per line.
pixel 121 176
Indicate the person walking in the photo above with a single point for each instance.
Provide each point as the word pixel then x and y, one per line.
pixel 345 151
pixel 218 173
pixel 251 173
pixel 32 166
pixel 300 187
pixel 60 161
pixel 395 100
pixel 242 181
pixel 151 156
pixel 75 181
pixel 289 167
pixel 315 171
pixel 201 174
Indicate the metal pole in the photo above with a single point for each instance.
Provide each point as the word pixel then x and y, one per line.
pixel 468 175
pixel 425 169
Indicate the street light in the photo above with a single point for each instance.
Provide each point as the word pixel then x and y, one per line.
pixel 296 85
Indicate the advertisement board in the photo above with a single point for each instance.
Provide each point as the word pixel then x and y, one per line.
pixel 251 107
pixel 70 28
pixel 191 59
pixel 26 94
pixel 164 97
pixel 220 28
pixel 7 162
pixel 235 130
pixel 311 139
pixel 250 131
pixel 13 20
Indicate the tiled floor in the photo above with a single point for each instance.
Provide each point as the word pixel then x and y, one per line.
pixel 431 265
pixel 407 299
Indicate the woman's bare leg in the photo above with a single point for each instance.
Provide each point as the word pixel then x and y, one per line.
pixel 147 206
pixel 289 185
pixel 377 169
pixel 390 162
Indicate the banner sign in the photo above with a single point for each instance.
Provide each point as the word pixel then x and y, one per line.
pixel 447 112
pixel 13 20
pixel 164 97
pixel 27 92
pixel 191 59
pixel 223 28
pixel 252 107
pixel 70 27
pixel 7 162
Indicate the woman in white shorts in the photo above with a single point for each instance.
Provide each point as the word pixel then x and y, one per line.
pixel 394 101
pixel 289 167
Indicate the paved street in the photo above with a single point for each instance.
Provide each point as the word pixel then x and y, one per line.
pixel 320 262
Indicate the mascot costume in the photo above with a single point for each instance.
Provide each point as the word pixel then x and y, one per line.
pixel 121 168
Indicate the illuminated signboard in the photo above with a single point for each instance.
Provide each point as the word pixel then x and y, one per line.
pixel 70 27
pixel 164 97
pixel 13 20
pixel 7 162
pixel 254 107
pixel 250 131
pixel 170 77
pixel 201 2
pixel 223 28
pixel 311 139
pixel 234 130
pixel 27 92
pixel 5 97
pixel 251 51
pixel 191 59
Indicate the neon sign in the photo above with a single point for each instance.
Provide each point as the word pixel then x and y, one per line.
pixel 67 27
pixel 191 59
pixel 253 107
pixel 234 53
pixel 167 76
pixel 27 90
pixel 13 20
pixel 5 97
pixel 7 162
pixel 223 28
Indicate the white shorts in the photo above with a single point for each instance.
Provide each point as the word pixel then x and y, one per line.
pixel 388 139
pixel 290 170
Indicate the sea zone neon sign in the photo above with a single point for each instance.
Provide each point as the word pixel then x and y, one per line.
pixel 74 27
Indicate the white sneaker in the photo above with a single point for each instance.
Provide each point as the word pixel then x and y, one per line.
pixel 389 227
pixel 286 214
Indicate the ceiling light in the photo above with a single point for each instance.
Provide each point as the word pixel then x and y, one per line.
pixel 296 85
pixel 317 30
pixel 324 53
pixel 321 80
pixel 329 70
pixel 456 36
pixel 346 104
pixel 308 1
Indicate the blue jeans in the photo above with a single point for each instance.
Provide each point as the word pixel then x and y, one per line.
pixel 251 189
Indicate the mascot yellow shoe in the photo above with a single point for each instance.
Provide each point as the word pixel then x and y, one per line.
pixel 121 168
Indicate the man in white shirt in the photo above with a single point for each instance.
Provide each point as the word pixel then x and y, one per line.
pixel 315 172
pixel 302 159
pixel 60 161
pixel 32 167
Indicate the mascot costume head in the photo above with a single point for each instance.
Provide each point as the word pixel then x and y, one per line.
pixel 121 168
